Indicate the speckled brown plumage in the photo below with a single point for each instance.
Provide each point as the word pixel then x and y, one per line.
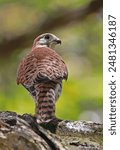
pixel 41 72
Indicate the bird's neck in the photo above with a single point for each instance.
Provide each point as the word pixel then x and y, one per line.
pixel 37 46
pixel 40 46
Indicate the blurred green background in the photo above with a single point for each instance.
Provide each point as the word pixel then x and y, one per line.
pixel 21 21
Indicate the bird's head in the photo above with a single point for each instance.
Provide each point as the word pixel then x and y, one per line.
pixel 47 40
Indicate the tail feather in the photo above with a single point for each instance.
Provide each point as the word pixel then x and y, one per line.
pixel 45 101
pixel 45 96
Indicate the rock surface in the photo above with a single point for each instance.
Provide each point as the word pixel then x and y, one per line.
pixel 22 132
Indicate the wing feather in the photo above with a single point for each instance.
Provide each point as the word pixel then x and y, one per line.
pixel 41 65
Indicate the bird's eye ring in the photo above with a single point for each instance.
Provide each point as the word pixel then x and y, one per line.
pixel 47 37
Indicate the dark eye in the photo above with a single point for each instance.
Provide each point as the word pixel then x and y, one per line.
pixel 47 37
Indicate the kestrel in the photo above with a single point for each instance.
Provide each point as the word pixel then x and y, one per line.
pixel 41 72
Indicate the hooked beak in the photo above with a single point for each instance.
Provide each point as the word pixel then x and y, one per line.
pixel 57 41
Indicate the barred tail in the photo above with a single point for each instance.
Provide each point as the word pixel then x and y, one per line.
pixel 45 102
